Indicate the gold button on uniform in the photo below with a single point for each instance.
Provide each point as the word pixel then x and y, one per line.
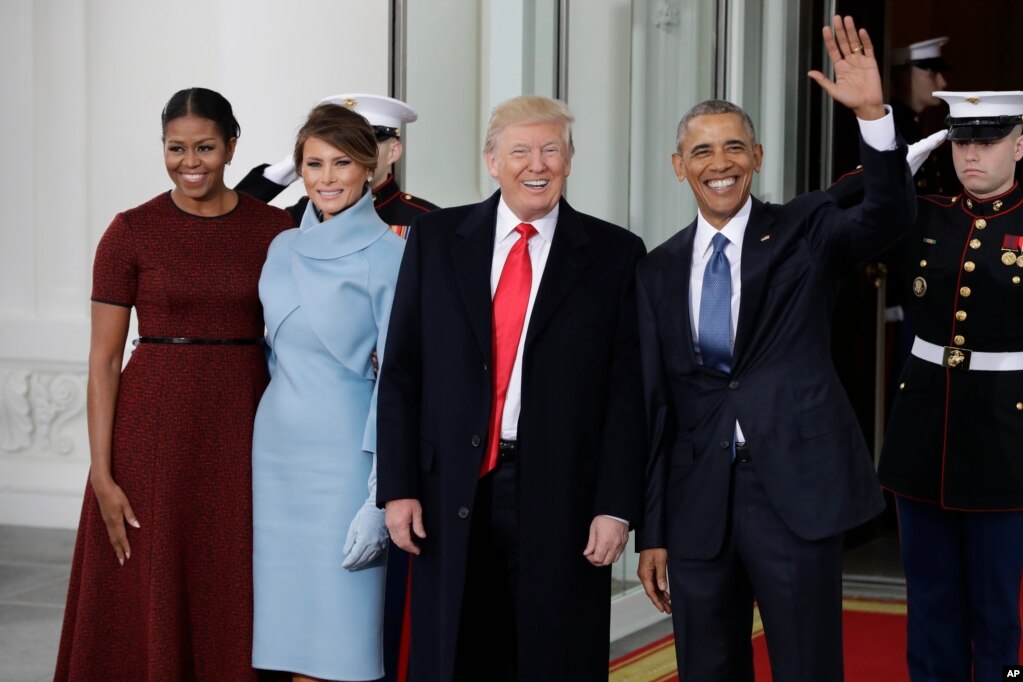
pixel 980 224
pixel 964 292
pixel 961 315
pixel 1015 279
pixel 969 204
pixel 969 266
pixel 974 243
pixel 902 385
pixel 923 264
pixel 959 339
pixel 1019 406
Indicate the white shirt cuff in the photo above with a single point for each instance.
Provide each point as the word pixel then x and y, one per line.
pixel 879 133
pixel 616 519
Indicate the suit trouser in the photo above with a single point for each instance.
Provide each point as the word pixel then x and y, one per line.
pixel 963 573
pixel 797 584
pixel 486 631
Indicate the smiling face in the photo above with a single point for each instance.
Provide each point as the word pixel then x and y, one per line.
pixel 195 153
pixel 332 179
pixel 530 162
pixel 718 157
pixel 987 169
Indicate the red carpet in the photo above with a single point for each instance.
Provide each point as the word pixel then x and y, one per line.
pixel 874 634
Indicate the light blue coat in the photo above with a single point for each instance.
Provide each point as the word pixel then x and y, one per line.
pixel 326 290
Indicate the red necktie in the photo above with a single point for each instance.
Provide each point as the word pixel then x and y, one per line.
pixel 510 302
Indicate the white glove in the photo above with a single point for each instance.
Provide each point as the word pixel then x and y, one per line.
pixel 918 152
pixel 282 173
pixel 367 534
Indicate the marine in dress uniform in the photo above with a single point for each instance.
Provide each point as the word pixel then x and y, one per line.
pixel 386 115
pixel 952 454
pixel 917 71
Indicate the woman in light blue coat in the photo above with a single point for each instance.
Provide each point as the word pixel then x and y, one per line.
pixel 326 290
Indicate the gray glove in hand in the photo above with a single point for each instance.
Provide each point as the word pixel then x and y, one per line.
pixel 367 537
pixel 282 173
pixel 367 534
pixel 918 152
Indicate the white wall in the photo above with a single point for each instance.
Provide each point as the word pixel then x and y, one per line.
pixel 84 84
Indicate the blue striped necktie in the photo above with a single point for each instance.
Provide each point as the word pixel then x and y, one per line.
pixel 716 309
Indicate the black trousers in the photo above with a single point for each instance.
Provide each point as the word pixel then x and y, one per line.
pixel 486 631
pixel 797 584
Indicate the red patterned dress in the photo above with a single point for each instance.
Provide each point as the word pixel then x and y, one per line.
pixel 181 606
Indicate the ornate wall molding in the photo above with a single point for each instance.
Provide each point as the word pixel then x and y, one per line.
pixel 38 411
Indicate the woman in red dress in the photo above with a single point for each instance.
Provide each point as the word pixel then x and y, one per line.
pixel 161 582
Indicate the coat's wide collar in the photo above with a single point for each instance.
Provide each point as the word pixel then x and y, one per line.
pixel 350 231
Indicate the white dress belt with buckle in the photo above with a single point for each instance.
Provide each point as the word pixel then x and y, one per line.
pixel 985 362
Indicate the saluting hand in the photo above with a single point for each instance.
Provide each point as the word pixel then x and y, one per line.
pixel 857 82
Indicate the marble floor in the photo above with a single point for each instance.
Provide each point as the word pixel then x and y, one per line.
pixel 35 563
pixel 34 568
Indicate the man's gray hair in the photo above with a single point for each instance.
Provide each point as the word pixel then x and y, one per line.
pixel 710 107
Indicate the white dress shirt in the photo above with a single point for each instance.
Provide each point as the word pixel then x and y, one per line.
pixel 879 134
pixel 539 248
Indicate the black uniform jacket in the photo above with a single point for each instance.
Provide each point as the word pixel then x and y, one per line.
pixel 955 436
pixel 580 430
pixel 396 208
pixel 795 416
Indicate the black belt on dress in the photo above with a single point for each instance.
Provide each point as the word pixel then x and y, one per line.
pixel 200 342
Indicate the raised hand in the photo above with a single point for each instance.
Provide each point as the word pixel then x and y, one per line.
pixel 857 82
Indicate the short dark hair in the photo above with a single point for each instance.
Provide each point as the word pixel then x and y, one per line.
pixel 710 107
pixel 342 129
pixel 203 103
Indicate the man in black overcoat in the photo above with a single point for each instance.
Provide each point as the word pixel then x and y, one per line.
pixel 510 463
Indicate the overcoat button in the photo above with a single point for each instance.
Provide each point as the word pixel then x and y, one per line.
pixel 475 440
pixel 733 385
pixel 463 512
pixel 725 444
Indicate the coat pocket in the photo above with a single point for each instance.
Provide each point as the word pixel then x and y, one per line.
pixel 824 419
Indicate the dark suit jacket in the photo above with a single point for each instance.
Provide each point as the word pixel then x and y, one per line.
pixel 783 389
pixel 580 429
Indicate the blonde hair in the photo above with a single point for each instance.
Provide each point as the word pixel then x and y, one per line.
pixel 526 110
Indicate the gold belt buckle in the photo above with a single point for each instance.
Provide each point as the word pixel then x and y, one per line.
pixel 956 358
